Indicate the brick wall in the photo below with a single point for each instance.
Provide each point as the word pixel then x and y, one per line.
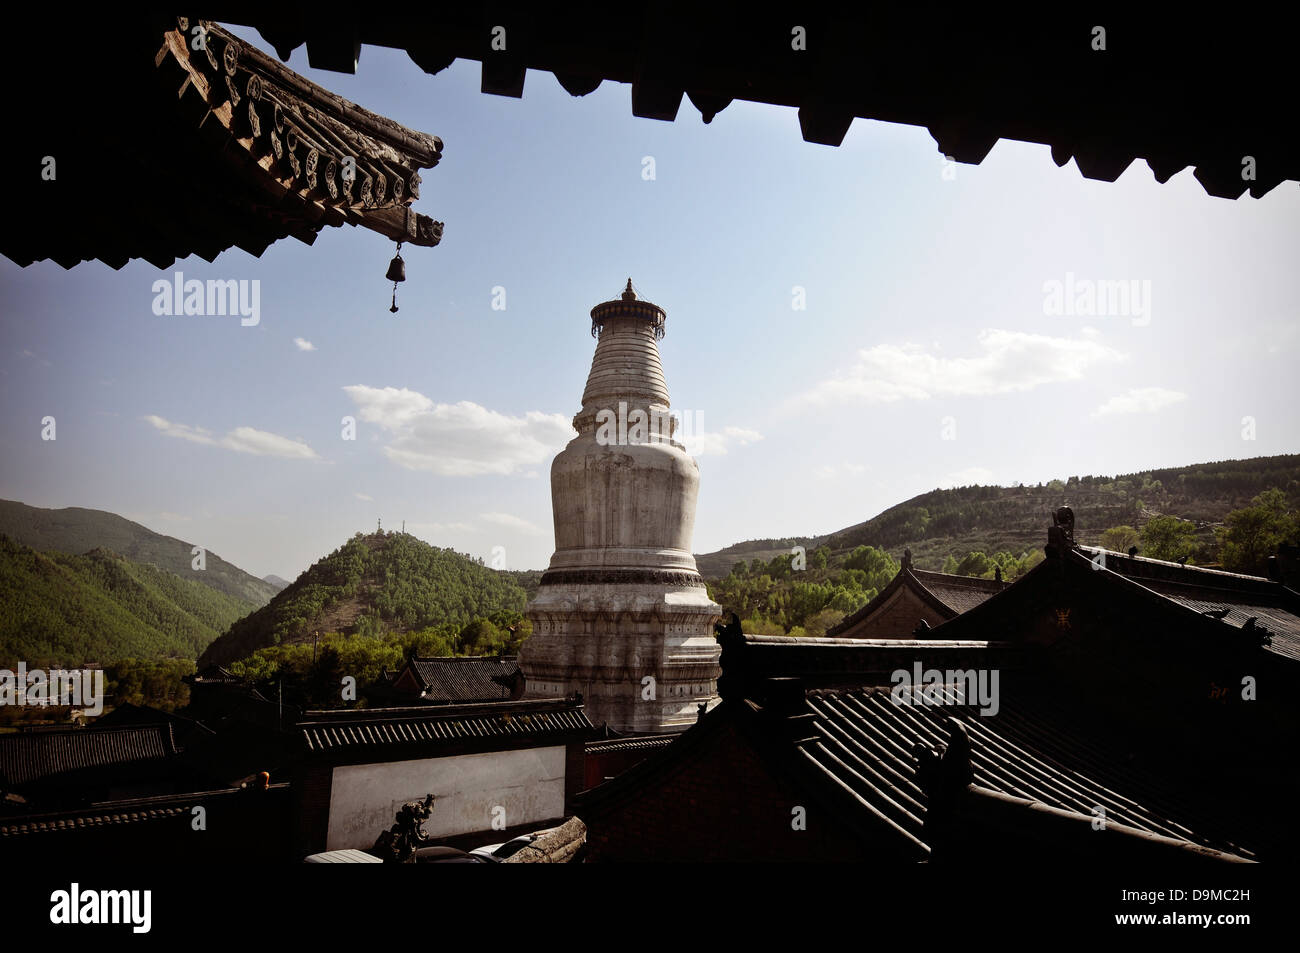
pixel 311 794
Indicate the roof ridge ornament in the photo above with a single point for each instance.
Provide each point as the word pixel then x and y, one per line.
pixel 628 293
pixel 1060 536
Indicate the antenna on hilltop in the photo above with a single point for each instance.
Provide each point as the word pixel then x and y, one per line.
pixel 381 525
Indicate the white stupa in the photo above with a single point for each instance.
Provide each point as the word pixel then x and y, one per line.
pixel 622 614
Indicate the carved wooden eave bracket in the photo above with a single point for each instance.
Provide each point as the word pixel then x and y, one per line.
pixel 308 157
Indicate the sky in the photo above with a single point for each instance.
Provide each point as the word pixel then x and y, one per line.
pixel 847 327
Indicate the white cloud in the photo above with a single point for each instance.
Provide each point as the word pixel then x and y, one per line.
pixel 1140 400
pixel 263 444
pixel 304 344
pixel 510 521
pixel 364 496
pixel 971 476
pixel 715 442
pixel 242 440
pixel 462 439
pixel 1009 361
pixel 193 434
pixel 390 407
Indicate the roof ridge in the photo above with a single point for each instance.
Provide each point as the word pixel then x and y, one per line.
pixel 1165 563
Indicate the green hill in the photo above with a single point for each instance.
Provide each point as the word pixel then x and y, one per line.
pixel 69 610
pixel 76 530
pixel 371 585
pixel 990 519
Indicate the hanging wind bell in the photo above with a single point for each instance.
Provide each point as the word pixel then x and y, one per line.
pixel 396 273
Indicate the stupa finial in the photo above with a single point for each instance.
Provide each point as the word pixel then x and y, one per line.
pixel 628 293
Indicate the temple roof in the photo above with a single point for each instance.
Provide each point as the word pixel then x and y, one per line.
pixel 1145 90
pixel 33 756
pixel 948 594
pixel 131 811
pixel 341 731
pixel 201 143
pixel 1231 598
pixel 854 747
pixel 469 679
pixel 862 741
pixel 1203 605
pixel 958 593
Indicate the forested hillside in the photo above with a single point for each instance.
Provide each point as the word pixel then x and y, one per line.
pixel 1232 515
pixel 991 519
pixel 373 585
pixel 76 530
pixel 69 610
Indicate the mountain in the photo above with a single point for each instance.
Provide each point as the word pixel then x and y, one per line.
pixel 275 582
pixel 382 582
pixel 1014 519
pixel 68 610
pixel 75 530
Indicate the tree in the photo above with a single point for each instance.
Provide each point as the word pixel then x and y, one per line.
pixel 324 680
pixel 818 624
pixel 975 564
pixel 878 565
pixel 759 626
pixel 1168 537
pixel 480 637
pixel 1119 539
pixel 1252 534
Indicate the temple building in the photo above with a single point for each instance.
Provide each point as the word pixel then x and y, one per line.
pixel 914 602
pixel 452 681
pixel 1103 707
pixel 622 615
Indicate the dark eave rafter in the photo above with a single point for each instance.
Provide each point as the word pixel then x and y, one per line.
pixel 184 140
pixel 297 141
pixel 1168 88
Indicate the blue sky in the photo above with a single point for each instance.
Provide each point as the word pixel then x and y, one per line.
pixel 926 353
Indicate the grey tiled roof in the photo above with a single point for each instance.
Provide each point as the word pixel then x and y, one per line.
pixel 630 744
pixel 35 825
pixel 132 811
pixel 1203 590
pixel 475 679
pixel 959 593
pixel 950 595
pixel 31 756
pixel 863 742
pixel 326 731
